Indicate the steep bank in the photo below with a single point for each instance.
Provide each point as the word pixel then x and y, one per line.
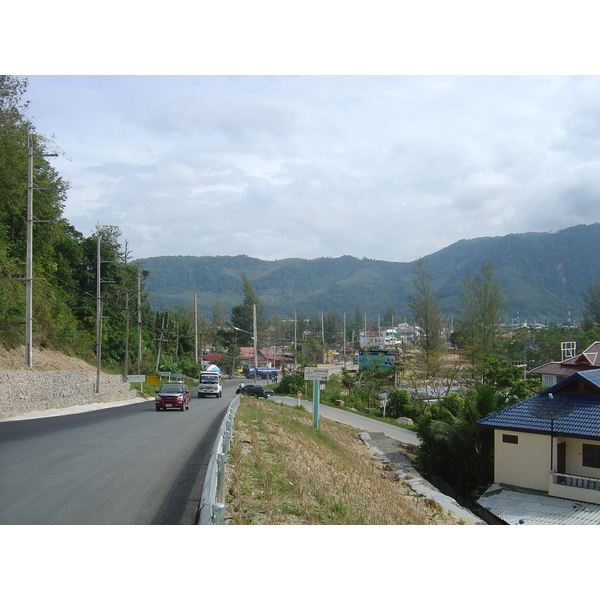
pixel 54 381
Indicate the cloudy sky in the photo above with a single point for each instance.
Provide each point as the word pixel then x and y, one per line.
pixel 390 167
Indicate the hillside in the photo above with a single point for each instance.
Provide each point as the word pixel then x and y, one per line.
pixel 543 275
pixel 43 360
pixel 283 471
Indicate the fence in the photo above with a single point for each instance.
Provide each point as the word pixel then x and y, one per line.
pixel 212 504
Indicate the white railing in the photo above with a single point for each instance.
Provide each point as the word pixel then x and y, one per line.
pixel 577 481
pixel 212 504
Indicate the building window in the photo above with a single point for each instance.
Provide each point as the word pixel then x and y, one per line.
pixel 590 455
pixel 511 439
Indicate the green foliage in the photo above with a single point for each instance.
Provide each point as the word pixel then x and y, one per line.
pixel 454 446
pixel 541 275
pixel 399 405
pixel 64 262
pixel 333 390
pixel 428 317
pixel 481 313
pixel 591 301
pixel 290 384
pixel 242 315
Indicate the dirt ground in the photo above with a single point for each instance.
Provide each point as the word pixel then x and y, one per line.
pixel 43 360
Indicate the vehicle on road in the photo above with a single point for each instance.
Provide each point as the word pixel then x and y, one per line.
pixel 262 372
pixel 173 395
pixel 257 391
pixel 209 382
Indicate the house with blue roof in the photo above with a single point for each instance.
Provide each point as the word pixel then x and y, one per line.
pixel 549 445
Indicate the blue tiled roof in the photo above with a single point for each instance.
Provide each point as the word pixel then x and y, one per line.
pixel 584 421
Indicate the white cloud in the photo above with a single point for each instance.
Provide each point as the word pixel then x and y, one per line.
pixel 390 168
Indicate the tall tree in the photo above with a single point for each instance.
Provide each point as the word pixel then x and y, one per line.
pixel 591 306
pixel 481 312
pixel 428 317
pixel 242 315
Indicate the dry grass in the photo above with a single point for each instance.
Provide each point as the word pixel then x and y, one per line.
pixel 281 470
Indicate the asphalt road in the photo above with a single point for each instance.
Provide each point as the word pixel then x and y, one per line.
pixel 355 420
pixel 124 465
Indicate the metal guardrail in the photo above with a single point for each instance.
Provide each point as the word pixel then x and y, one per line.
pixel 212 503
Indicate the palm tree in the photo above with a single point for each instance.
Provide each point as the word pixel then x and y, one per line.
pixel 455 447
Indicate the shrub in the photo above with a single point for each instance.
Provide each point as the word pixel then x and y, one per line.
pixel 290 384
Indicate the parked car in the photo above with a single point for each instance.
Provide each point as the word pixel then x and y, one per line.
pixel 257 391
pixel 173 395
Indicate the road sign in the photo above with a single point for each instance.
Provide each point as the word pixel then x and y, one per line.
pixel 316 374
pixel 153 380
pixel 136 379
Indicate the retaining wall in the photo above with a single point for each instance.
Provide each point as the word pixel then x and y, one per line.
pixel 26 391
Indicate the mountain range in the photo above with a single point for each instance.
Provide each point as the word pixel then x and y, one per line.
pixel 543 277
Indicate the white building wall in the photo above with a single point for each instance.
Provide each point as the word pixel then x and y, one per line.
pixel 525 464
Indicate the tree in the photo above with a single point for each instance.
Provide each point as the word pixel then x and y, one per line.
pixel 242 315
pixel 481 312
pixel 428 317
pixel 591 306
pixel 454 446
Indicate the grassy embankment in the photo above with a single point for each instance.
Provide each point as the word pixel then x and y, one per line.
pixel 281 470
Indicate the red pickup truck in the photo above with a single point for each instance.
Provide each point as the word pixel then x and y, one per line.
pixel 173 395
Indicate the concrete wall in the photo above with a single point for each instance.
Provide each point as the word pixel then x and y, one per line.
pixel 26 391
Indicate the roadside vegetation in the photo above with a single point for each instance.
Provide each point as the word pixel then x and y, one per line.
pixel 283 471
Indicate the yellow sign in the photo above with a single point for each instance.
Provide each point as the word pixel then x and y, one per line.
pixel 153 380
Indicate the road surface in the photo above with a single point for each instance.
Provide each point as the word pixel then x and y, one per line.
pixel 122 465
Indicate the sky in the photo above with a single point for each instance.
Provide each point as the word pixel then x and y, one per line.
pixel 384 167
pixel 376 156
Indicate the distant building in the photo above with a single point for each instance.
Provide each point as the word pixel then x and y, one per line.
pixel 555 372
pixel 388 338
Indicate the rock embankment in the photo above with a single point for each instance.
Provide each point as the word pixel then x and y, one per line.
pixel 27 391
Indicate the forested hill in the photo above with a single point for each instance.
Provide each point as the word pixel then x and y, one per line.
pixel 543 275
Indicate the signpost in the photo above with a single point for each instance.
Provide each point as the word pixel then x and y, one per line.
pixel 137 379
pixel 316 375
pixel 153 380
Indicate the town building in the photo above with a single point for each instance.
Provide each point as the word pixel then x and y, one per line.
pixel 554 372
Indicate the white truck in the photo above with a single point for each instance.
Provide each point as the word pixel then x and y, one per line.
pixel 209 382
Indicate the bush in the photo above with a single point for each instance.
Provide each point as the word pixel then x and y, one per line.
pixel 396 404
pixel 290 384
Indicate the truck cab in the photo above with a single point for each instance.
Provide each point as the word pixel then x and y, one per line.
pixel 209 382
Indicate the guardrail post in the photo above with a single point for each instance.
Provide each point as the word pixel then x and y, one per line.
pixel 220 477
pixel 218 513
pixel 227 435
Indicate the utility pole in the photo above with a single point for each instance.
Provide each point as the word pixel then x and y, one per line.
pixel 29 252
pixel 99 283
pixel 196 328
pixel 139 323
pixel 126 361
pixel 323 337
pixel 160 341
pixel 98 316
pixel 344 341
pixel 254 335
pixel 295 341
